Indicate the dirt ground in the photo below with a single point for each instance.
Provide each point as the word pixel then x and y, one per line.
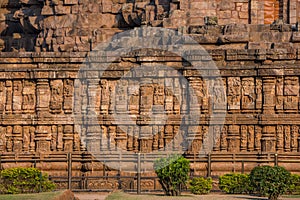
pixel 91 195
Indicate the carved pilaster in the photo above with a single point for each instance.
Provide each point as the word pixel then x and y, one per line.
pixel 161 136
pixel 145 139
pixel 2 97
pixel 121 137
pixel 233 138
pixel 294 136
pixel 53 137
pixel 93 138
pixel 104 138
pixel 17 139
pixel 287 138
pixel 111 137
pixel 60 138
pixel 257 139
pixel 268 139
pixel 121 96
pixel 9 138
pixel 68 138
pixel 130 138
pixel 26 138
pixel 168 136
pixel 169 95
pixel 43 95
pixel 279 138
pixel 243 138
pixel 217 136
pixel 32 139
pixel 9 97
pixel 2 139
pixel 250 138
pixel 224 138
pixel 17 96
pixel 43 138
pixel 155 138
pixel 93 92
pixel 269 95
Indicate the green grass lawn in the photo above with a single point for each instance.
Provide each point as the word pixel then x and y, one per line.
pixel 36 196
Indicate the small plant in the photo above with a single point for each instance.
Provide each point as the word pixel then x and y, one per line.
pixel 24 180
pixel 172 173
pixel 201 185
pixel 270 181
pixel 235 183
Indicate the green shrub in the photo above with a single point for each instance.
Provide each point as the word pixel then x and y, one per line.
pixel 24 180
pixel 270 181
pixel 235 183
pixel 295 184
pixel 172 173
pixel 201 185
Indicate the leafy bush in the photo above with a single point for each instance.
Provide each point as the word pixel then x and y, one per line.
pixel 270 181
pixel 24 180
pixel 201 185
pixel 295 184
pixel 235 183
pixel 172 173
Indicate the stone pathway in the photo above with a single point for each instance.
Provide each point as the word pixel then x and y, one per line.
pixel 91 195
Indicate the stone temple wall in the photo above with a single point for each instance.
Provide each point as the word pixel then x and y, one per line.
pixel 255 45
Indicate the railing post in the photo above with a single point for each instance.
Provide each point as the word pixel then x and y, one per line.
pixel 276 159
pixel 243 167
pixel 69 171
pixel 209 165
pixel 138 173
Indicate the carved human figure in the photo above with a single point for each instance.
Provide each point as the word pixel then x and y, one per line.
pixel 248 94
pixel 29 100
pixel 56 99
pixel 258 92
pixel 234 93
pixel 68 95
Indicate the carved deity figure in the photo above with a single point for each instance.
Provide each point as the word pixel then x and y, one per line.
pixel 234 93
pixel 248 94
pixel 56 99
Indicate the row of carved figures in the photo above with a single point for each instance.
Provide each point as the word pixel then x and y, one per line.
pixel 107 96
pixel 227 138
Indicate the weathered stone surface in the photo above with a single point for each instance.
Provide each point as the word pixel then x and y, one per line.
pixel 43 45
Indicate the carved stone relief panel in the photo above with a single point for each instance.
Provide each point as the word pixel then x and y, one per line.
pixel 248 94
pixel 234 93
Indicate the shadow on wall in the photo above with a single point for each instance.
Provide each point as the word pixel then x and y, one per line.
pixel 20 24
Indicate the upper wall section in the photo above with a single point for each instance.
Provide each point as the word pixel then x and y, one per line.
pixel 76 25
